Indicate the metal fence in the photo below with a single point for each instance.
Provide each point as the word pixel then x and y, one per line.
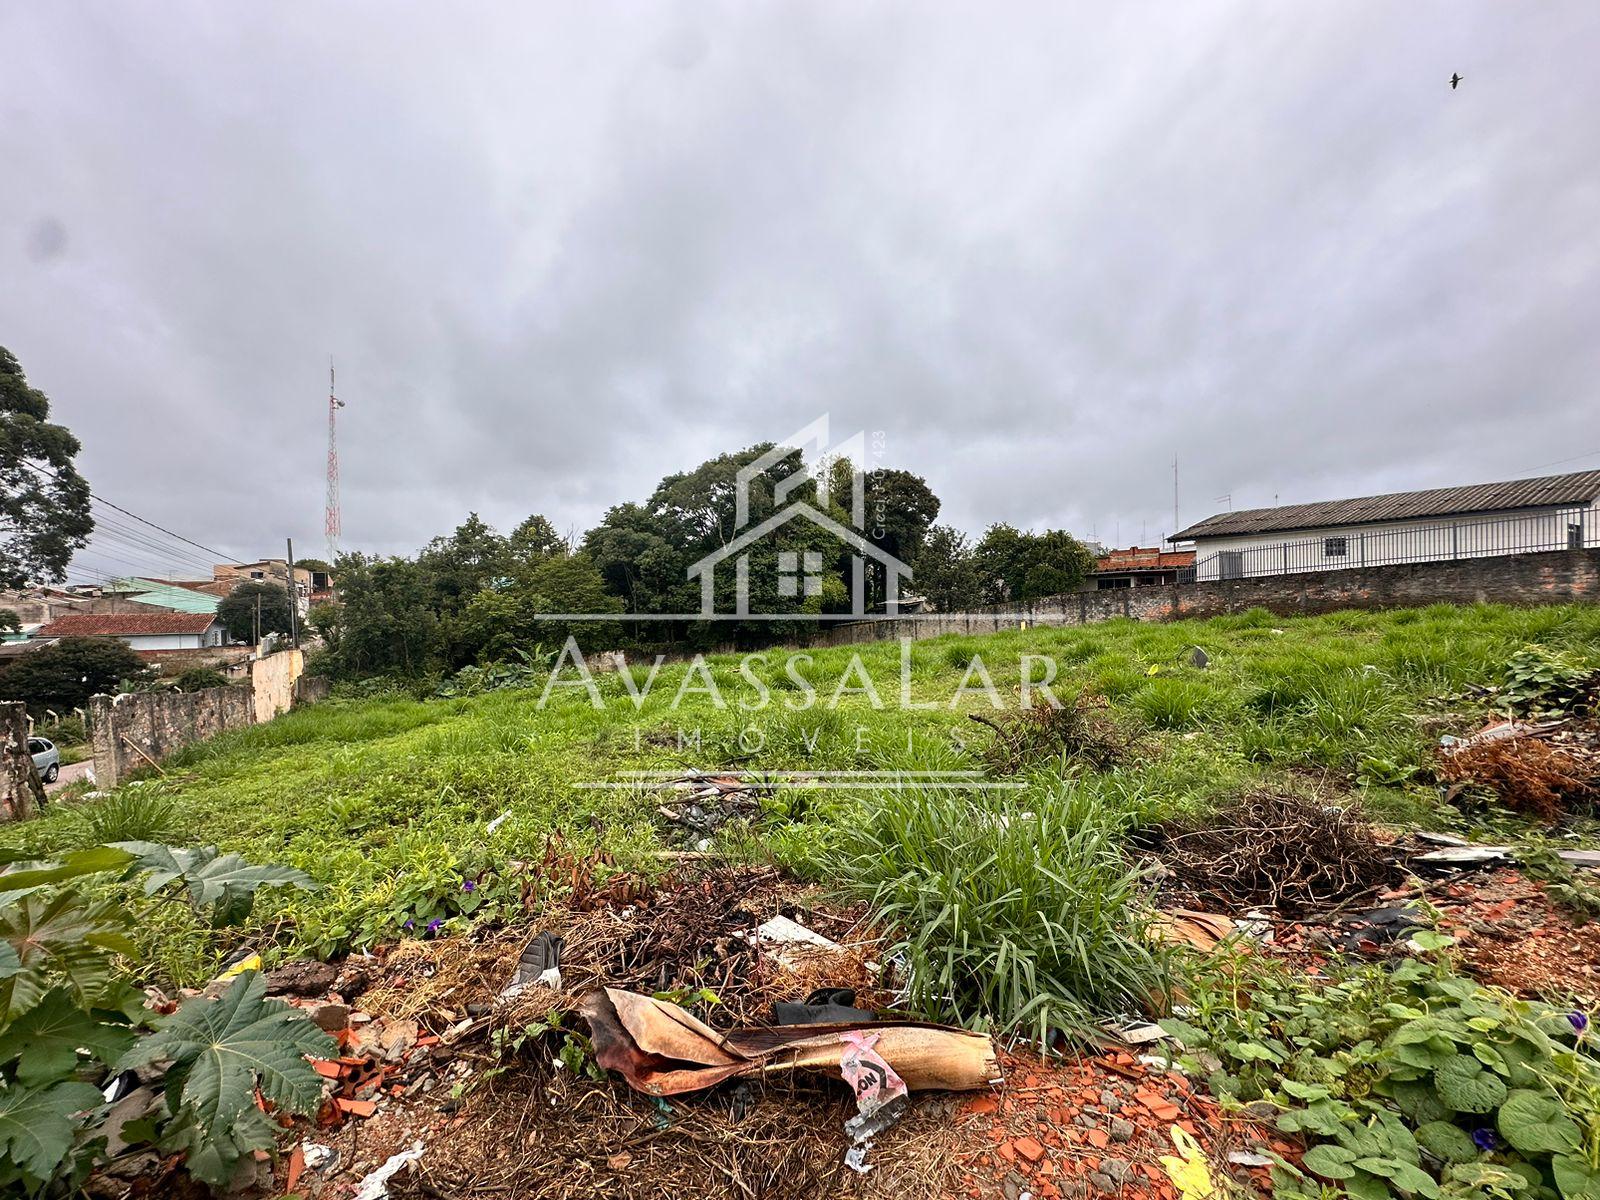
pixel 1435 541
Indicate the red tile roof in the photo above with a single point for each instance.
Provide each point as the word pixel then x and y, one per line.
pixel 1145 558
pixel 142 624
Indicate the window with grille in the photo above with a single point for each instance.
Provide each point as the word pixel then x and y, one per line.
pixel 1334 547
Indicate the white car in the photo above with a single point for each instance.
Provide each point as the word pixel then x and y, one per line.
pixel 46 758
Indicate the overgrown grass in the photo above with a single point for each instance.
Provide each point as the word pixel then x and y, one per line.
pixel 1027 919
pixel 387 801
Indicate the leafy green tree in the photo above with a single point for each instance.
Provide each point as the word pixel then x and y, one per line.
pixel 1017 566
pixel 534 540
pixel 644 551
pixel 44 502
pixel 946 575
pixel 239 608
pixel 66 673
pixel 460 566
pixel 9 621
pixel 385 622
pixel 501 621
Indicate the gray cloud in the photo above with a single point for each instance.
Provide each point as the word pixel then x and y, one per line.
pixel 560 252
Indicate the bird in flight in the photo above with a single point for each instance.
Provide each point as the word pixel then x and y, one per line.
pixel 1454 81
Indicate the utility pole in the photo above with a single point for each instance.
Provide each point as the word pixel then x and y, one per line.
pixel 294 597
pixel 258 622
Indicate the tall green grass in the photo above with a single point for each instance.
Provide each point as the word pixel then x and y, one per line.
pixel 1017 919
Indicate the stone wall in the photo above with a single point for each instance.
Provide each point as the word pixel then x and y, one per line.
pixel 1552 577
pixel 309 689
pixel 141 728
pixel 21 792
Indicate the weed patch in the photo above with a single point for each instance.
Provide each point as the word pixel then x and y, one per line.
pixel 1014 919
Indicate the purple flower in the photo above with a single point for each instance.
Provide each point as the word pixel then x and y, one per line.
pixel 410 924
pixel 1578 1020
pixel 469 886
pixel 1483 1139
pixel 433 925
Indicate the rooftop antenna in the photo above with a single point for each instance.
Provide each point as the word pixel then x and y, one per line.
pixel 1226 498
pixel 332 521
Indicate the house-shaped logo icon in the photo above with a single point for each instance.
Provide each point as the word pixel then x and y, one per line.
pixel 800 572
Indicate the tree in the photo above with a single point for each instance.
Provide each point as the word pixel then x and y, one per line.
pixel 64 674
pixel 385 623
pixel 9 621
pixel 946 574
pixel 239 610
pixel 900 509
pixel 535 540
pixel 1015 566
pixel 500 621
pixel 44 502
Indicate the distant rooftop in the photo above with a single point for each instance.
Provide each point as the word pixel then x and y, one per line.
pixel 1144 558
pixel 127 624
pixel 175 596
pixel 1545 492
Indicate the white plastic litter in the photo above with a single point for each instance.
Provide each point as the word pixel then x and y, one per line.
pixel 376 1185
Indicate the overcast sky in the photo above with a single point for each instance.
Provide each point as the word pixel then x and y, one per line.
pixel 561 250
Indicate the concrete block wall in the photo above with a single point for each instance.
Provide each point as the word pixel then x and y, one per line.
pixel 133 730
pixel 1551 577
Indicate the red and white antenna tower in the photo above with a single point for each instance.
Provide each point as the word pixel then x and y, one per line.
pixel 334 405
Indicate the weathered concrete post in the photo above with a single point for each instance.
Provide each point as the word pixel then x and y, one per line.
pixel 21 792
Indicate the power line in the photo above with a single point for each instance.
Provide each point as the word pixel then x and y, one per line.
pixel 1558 462
pixel 142 520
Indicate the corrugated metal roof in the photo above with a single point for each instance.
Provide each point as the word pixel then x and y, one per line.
pixel 127 624
pixel 167 595
pixel 1544 492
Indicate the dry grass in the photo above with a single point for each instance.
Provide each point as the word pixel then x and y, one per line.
pixel 547 1135
pixel 1527 774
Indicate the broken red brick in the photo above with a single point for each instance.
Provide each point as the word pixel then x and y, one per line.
pixel 1029 1148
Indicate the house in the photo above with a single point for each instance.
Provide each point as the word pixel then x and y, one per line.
pixel 307 583
pixel 143 631
pixel 1518 516
pixel 1141 566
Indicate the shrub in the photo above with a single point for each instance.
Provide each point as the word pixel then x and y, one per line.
pixel 1540 681
pixel 1418 1082
pixel 198 679
pixel 69 1022
pixel 1026 921
pixel 132 814
pixel 66 674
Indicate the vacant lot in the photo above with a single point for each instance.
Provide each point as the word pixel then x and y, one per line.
pixel 388 802
pixel 998 831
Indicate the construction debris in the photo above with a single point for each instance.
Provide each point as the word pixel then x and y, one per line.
pixel 662 1050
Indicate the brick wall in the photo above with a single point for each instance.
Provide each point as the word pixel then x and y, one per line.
pixel 1554 577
